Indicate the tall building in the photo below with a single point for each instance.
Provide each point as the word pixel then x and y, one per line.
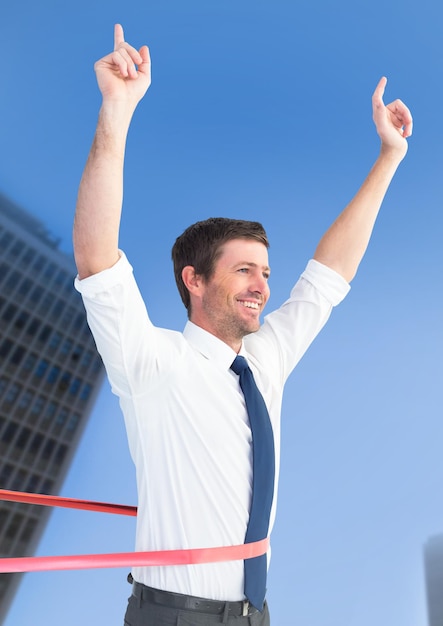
pixel 50 374
pixel 433 555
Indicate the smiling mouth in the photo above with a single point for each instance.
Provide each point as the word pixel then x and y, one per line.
pixel 249 305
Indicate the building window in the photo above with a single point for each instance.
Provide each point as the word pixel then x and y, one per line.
pixel 76 353
pixel 97 364
pixel 18 355
pixel 73 423
pixel 3 384
pixel 6 239
pixel 12 280
pixel 33 328
pixel 57 310
pixel 9 432
pixel 69 284
pixel 36 444
pixel 14 526
pixel 48 449
pixel 75 386
pixel 11 394
pixel 5 348
pixel 49 271
pixel 45 304
pixel 47 486
pixel 44 333
pixel 41 368
pixel 16 249
pixel 9 312
pixel 23 438
pixel 64 382
pixel 25 400
pixel 28 530
pixel 38 405
pixel 36 295
pixel 60 455
pixel 79 321
pixel 39 264
pixel 29 362
pixel 27 258
pixel 60 421
pixel 87 359
pixel 49 412
pixel 53 375
pixel 60 278
pixel 21 320
pixel 24 287
pixel 86 333
pixel 4 269
pixel 18 481
pixel 86 392
pixel 55 340
pixel 66 347
pixel 68 317
pixel 4 548
pixel 5 475
pixel 33 483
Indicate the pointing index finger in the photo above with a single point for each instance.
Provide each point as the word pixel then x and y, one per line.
pixel 119 36
pixel 380 90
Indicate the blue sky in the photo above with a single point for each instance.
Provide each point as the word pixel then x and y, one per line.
pixel 259 110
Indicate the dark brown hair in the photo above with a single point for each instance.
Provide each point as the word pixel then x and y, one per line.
pixel 200 246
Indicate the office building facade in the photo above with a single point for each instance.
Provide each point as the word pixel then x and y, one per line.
pixel 433 557
pixel 50 374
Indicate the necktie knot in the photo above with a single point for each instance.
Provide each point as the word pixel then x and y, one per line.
pixel 239 365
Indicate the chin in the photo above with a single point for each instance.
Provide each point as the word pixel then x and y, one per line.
pixel 252 328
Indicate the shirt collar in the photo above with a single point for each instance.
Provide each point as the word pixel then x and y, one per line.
pixel 210 346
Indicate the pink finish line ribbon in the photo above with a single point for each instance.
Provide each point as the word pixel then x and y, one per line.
pixel 124 559
pixel 68 503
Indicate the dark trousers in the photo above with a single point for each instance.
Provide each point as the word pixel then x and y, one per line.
pixel 151 607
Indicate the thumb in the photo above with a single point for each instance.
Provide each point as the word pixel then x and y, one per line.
pixel 145 66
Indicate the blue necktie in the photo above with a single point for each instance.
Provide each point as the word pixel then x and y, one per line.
pixel 262 481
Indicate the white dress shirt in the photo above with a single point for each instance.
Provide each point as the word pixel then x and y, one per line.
pixel 186 419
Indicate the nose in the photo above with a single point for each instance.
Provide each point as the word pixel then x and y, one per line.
pixel 260 285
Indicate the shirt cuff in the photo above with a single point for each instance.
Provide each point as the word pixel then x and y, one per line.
pixel 103 281
pixel 327 281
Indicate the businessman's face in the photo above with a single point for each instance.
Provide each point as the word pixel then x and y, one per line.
pixel 232 300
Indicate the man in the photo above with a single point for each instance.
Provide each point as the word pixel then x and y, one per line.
pixel 191 429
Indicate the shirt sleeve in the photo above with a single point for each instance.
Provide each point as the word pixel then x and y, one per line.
pixel 288 331
pixel 126 339
pixel 91 287
pixel 329 283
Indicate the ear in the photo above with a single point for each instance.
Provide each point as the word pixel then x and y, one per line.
pixel 191 280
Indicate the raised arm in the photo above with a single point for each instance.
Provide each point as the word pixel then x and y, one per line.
pixel 343 245
pixel 123 78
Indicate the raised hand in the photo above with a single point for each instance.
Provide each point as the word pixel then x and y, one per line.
pixel 125 74
pixel 344 243
pixel 393 121
pixel 123 78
